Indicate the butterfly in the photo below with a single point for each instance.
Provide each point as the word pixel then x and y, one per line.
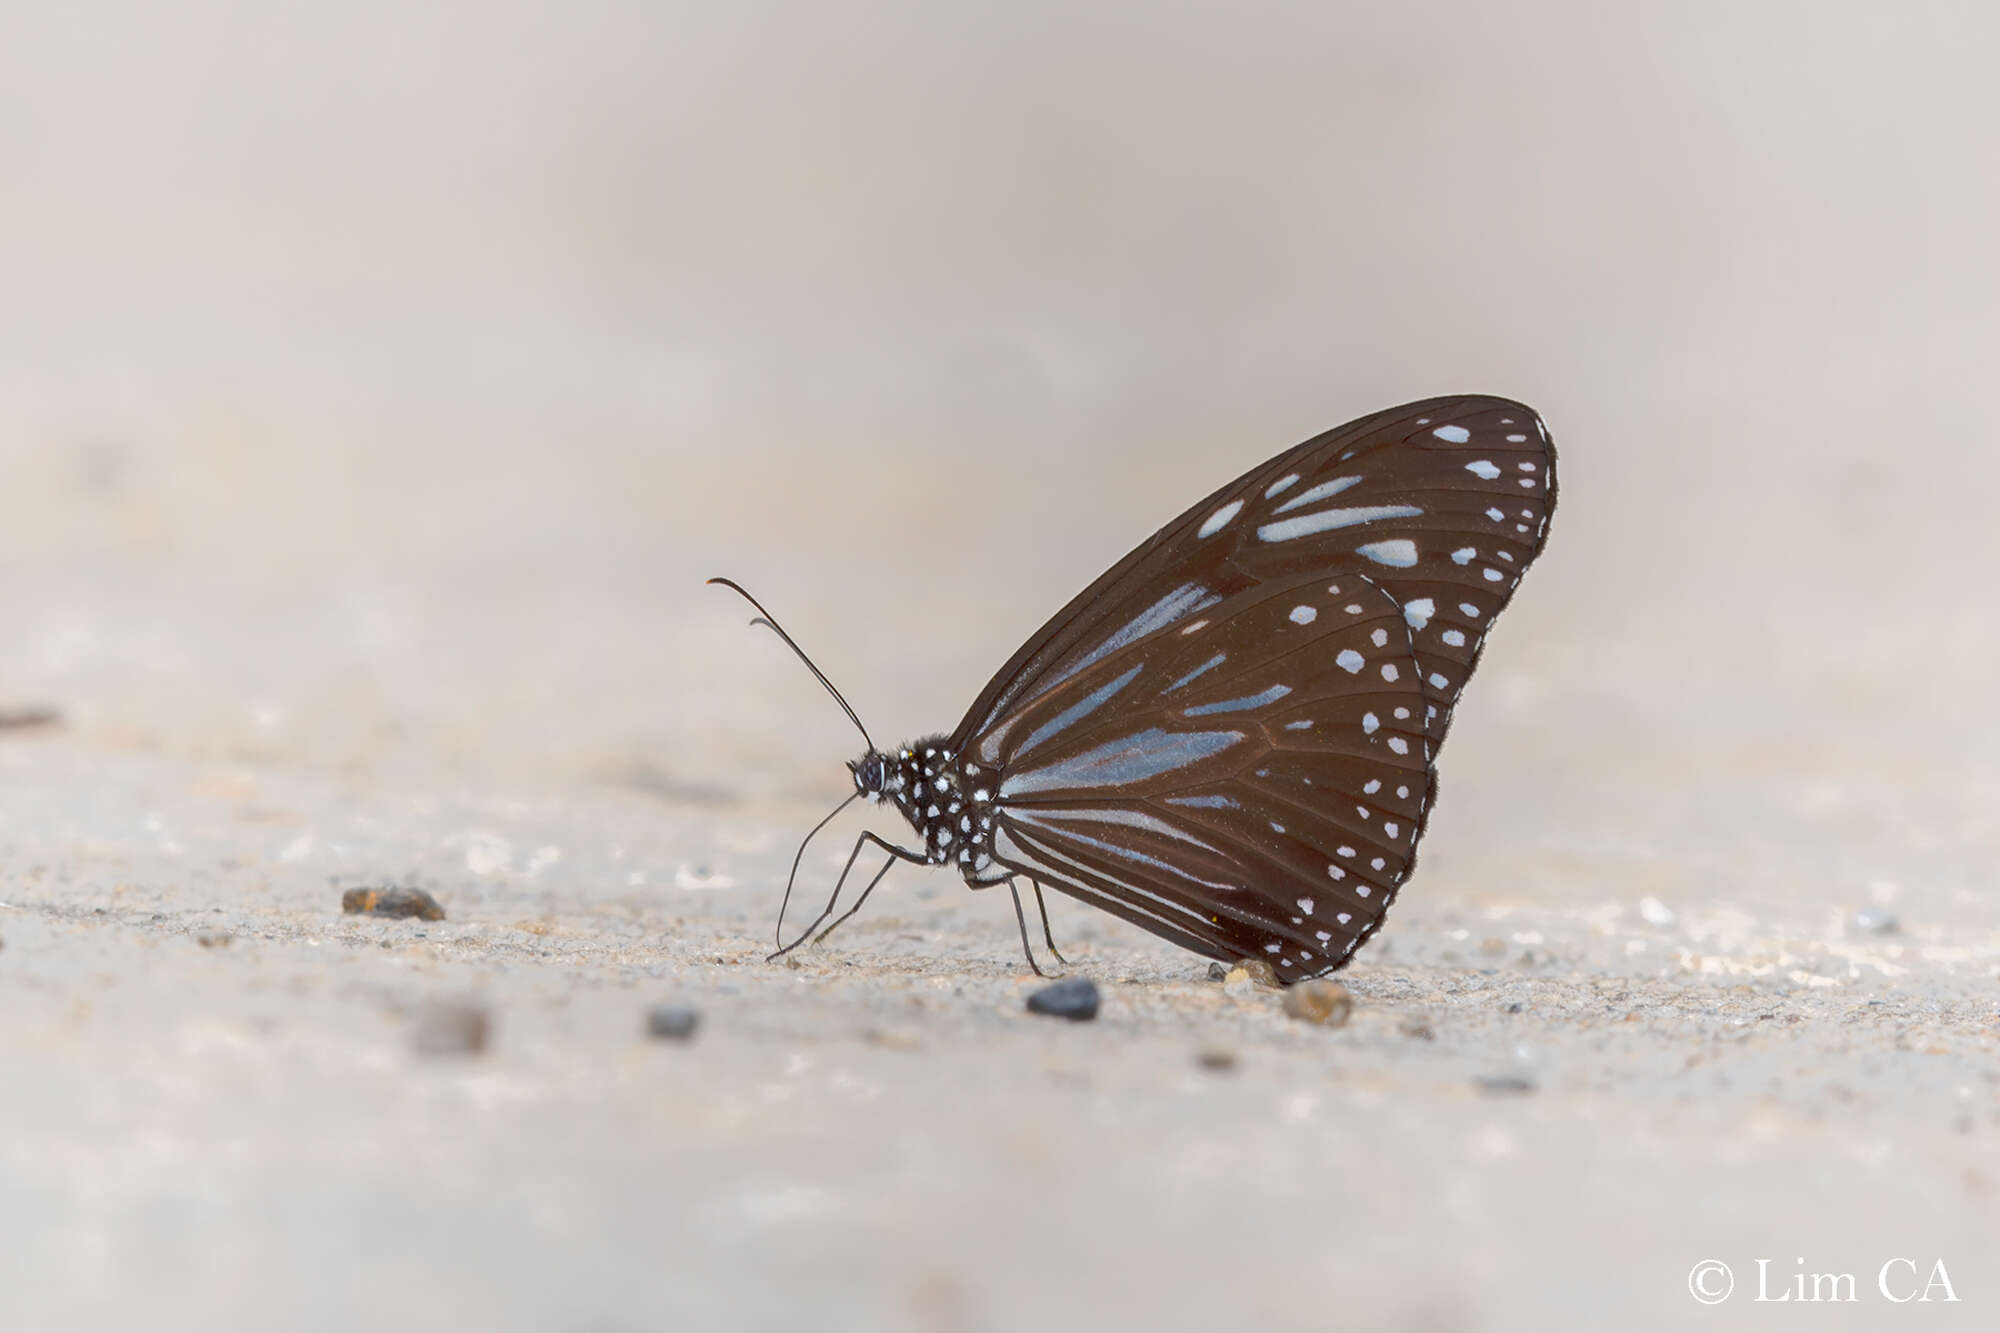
pixel 1230 739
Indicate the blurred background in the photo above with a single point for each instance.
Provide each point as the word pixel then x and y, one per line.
pixel 384 379
pixel 379 382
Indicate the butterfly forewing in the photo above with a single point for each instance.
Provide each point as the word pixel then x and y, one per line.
pixel 1444 503
pixel 1228 738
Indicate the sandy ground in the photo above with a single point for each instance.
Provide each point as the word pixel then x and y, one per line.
pixel 1554 1098
pixel 376 391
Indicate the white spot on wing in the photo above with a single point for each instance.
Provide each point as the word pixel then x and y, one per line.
pixel 1350 661
pixel 1280 485
pixel 1418 611
pixel 1482 469
pixel 1304 615
pixel 1399 553
pixel 1220 519
pixel 1452 434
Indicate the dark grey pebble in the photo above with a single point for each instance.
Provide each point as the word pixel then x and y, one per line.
pixel 672 1022
pixel 1217 972
pixel 452 1028
pixel 1505 1085
pixel 1217 1059
pixel 1074 999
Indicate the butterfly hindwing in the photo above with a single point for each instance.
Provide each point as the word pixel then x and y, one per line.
pixel 1249 781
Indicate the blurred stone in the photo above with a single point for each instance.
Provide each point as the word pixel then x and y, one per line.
pixel 1505 1085
pixel 893 1039
pixel 29 718
pixel 214 939
pixel 1656 912
pixel 391 903
pixel 1492 944
pixel 1876 921
pixel 1419 1031
pixel 452 1027
pixel 672 1022
pixel 1324 1002
pixel 1075 999
pixel 1216 1059
pixel 1217 972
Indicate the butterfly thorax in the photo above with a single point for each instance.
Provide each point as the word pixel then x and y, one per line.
pixel 948 801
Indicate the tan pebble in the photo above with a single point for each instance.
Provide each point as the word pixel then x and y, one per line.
pixel 1324 1002
pixel 1258 970
pixel 452 1029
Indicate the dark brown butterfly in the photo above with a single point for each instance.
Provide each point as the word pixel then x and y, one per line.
pixel 1230 739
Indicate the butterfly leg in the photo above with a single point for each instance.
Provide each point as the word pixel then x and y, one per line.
pixel 1048 936
pixel 835 924
pixel 895 854
pixel 1021 919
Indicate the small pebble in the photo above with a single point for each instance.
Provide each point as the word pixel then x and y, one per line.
pixel 1505 1085
pixel 1217 972
pixel 1656 912
pixel 1419 1032
pixel 1216 1059
pixel 451 1028
pixel 214 939
pixel 1323 1002
pixel 1876 921
pixel 1259 971
pixel 392 903
pixel 893 1039
pixel 29 718
pixel 1074 999
pixel 672 1022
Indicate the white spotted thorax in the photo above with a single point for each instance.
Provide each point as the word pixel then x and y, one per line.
pixel 1230 739
pixel 947 801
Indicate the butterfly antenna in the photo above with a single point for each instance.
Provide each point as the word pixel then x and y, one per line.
pixel 764 617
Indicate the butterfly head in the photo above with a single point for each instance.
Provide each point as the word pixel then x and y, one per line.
pixel 875 775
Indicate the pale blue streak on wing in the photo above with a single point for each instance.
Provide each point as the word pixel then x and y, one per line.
pixel 1257 700
pixel 1122 762
pixel 1326 520
pixel 1209 665
pixel 1181 602
pixel 1319 492
pixel 1083 708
